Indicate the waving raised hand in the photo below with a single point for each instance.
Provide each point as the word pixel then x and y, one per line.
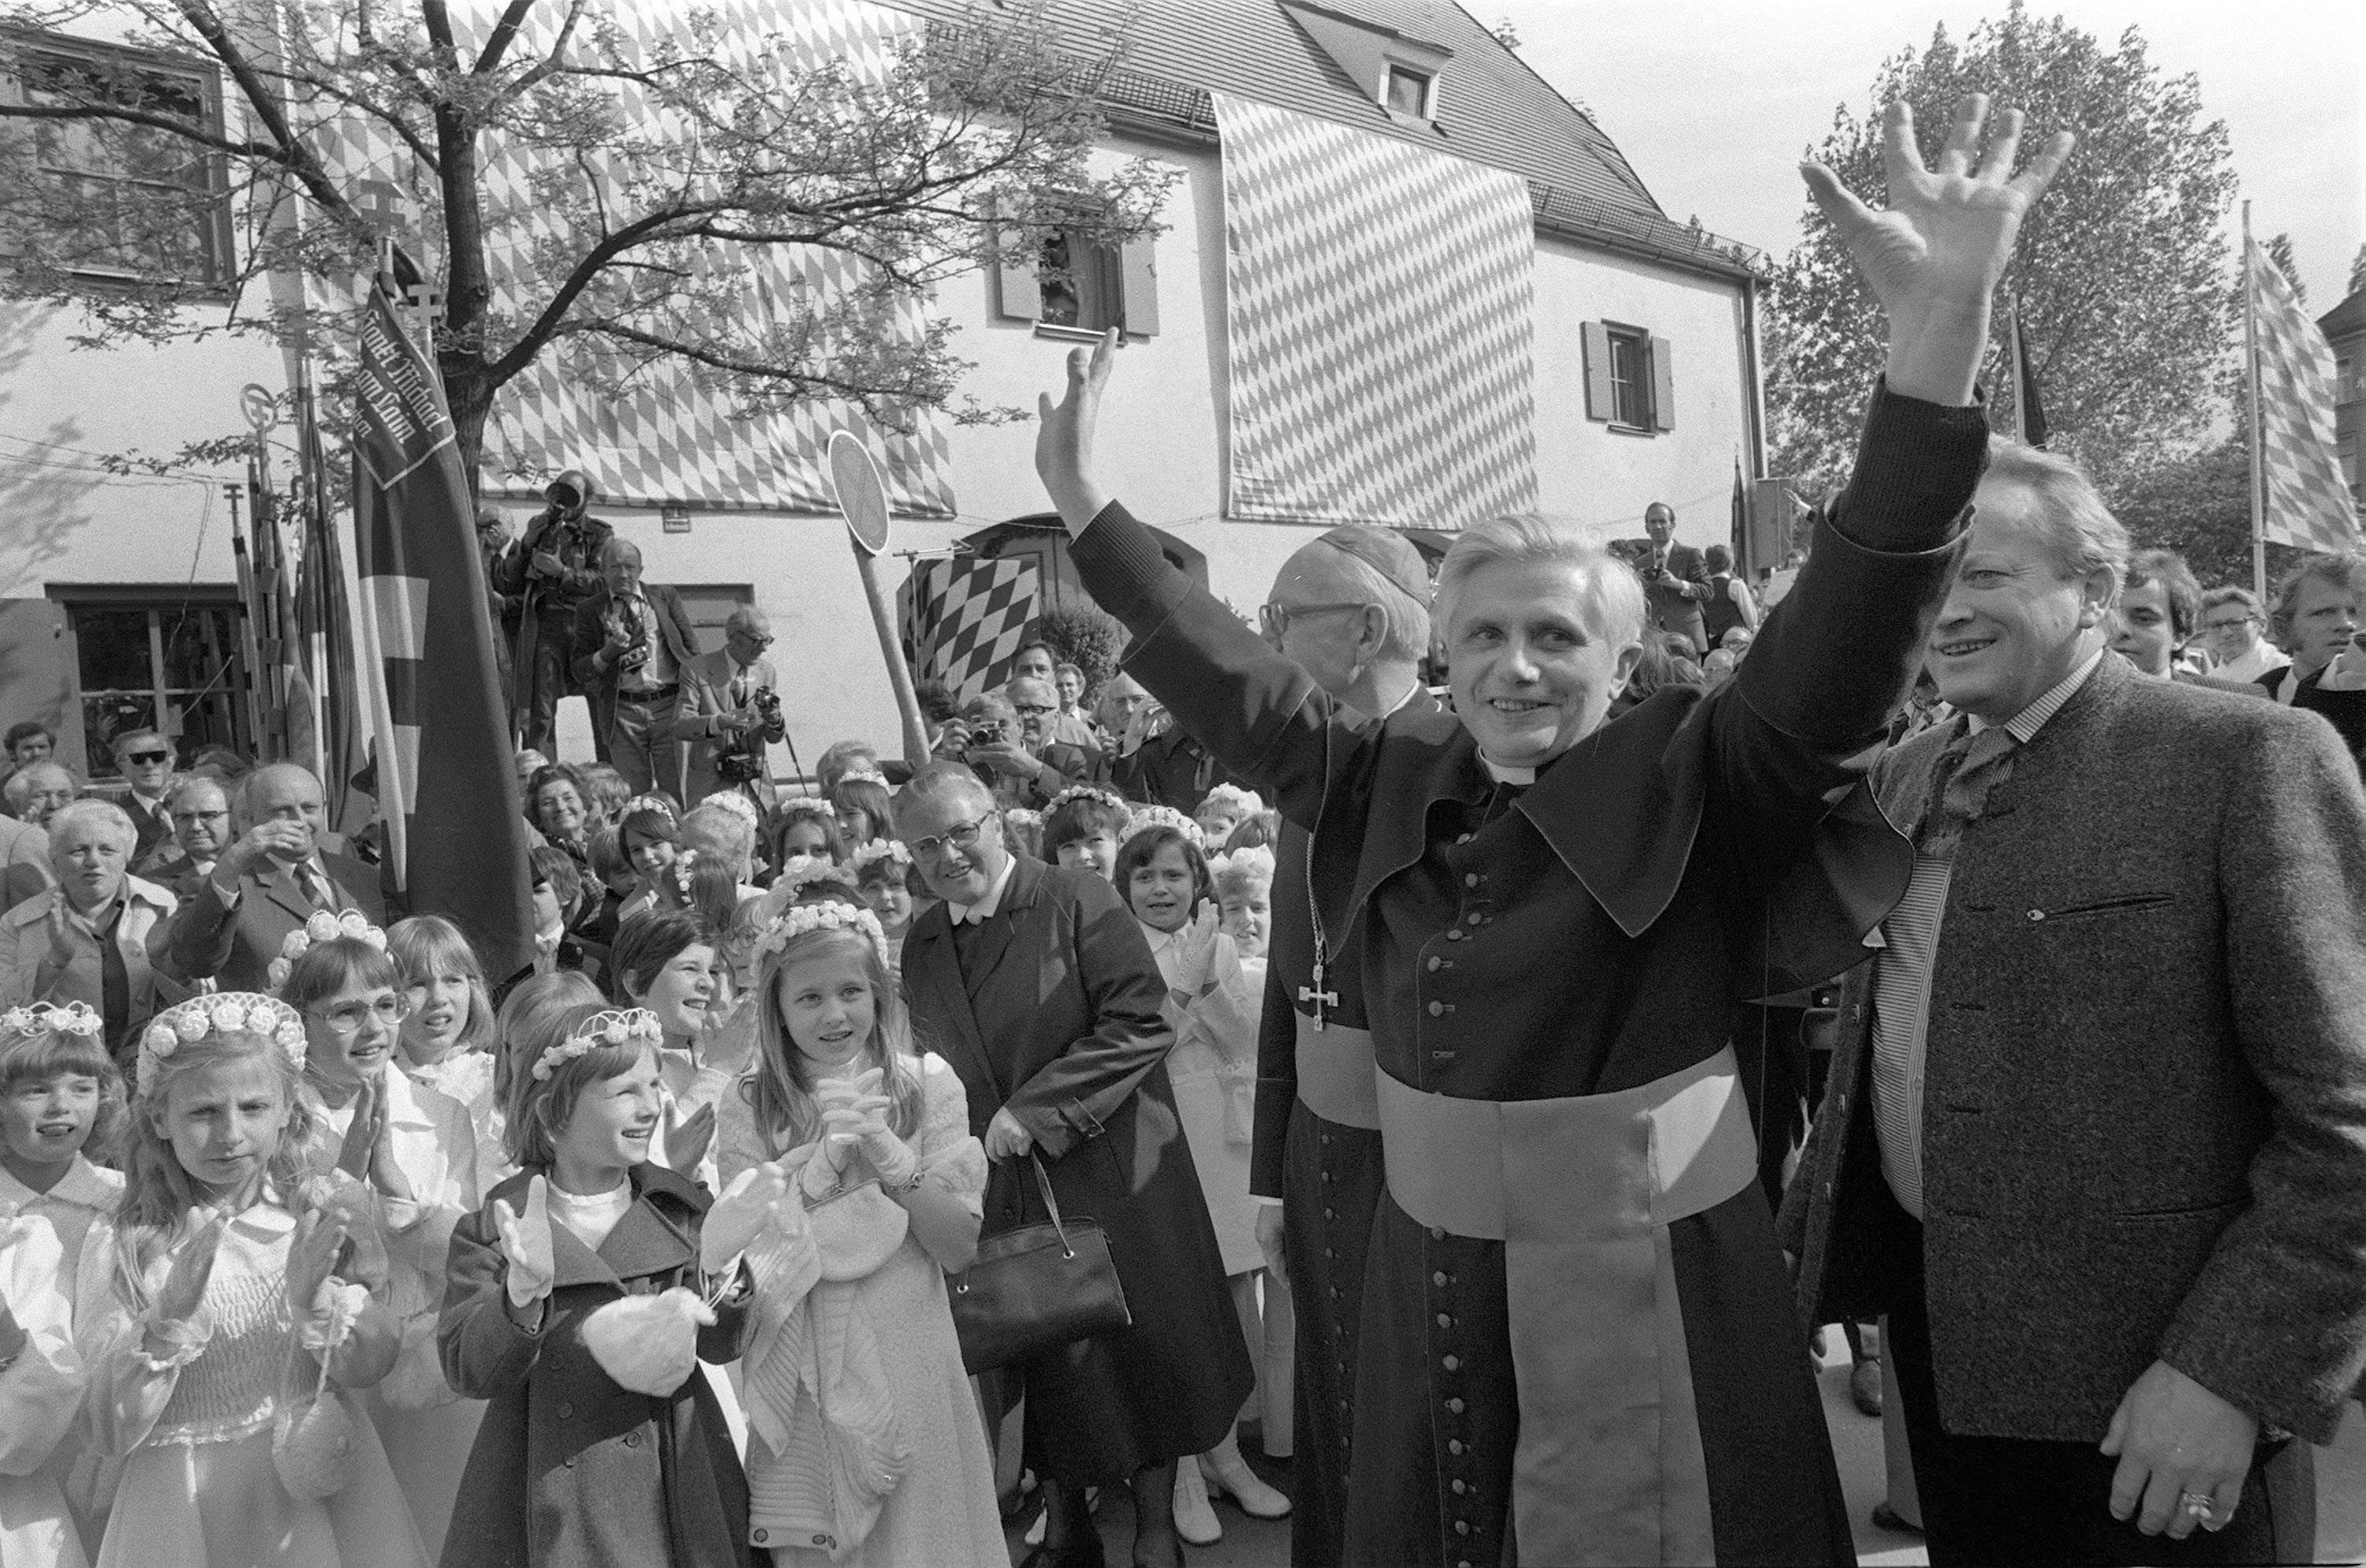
pixel 1933 253
pixel 525 1242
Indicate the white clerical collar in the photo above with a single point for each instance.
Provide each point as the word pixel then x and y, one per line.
pixel 2025 724
pixel 985 907
pixel 1502 774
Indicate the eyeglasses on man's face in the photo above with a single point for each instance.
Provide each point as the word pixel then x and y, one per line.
pixel 753 640
pixel 2225 627
pixel 959 835
pixel 1275 619
pixel 187 818
pixel 1034 710
pixel 347 1019
pixel 146 759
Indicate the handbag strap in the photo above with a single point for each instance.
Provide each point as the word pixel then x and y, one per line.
pixel 1044 1185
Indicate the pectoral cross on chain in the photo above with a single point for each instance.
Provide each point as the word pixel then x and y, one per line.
pixel 1317 995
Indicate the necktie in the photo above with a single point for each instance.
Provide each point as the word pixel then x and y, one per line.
pixel 1970 767
pixel 309 884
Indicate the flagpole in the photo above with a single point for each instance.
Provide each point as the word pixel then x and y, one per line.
pixel 2019 385
pixel 2251 379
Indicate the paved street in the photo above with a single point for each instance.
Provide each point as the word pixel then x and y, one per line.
pixel 1856 1443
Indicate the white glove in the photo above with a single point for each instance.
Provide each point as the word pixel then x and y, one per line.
pixel 525 1242
pixel 1195 951
pixel 890 1156
pixel 740 1216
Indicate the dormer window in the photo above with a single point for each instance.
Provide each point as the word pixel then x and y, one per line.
pixel 1406 92
pixel 1395 72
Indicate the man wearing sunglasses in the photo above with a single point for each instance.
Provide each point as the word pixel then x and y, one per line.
pixel 144 759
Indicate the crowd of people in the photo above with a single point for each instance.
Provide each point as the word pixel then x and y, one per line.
pixel 1410 1046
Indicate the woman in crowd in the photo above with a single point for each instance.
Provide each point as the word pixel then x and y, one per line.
pixel 559 803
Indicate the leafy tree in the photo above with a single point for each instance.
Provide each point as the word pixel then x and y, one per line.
pixel 1083 634
pixel 2120 275
pixel 2358 270
pixel 663 169
pixel 2200 507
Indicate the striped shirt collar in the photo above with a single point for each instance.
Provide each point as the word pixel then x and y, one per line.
pixel 2025 724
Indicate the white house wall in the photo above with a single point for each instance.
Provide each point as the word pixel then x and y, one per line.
pixel 1161 448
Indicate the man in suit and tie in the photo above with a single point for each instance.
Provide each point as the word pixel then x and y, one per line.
pixel 1675 577
pixel 199 808
pixel 269 880
pixel 2096 1127
pixel 717 713
pixel 144 759
pixel 631 641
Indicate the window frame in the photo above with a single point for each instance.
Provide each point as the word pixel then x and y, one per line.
pixel 1644 384
pixel 1426 113
pixel 168 706
pixel 1126 275
pixel 216 237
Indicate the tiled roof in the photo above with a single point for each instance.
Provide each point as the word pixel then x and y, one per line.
pixel 1492 107
pixel 2347 317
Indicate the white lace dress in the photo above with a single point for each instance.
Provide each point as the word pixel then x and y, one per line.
pixel 199 1489
pixel 852 1366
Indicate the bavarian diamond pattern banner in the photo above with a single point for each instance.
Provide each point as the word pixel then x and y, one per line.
pixel 963 619
pixel 1379 299
pixel 2307 503
pixel 667 436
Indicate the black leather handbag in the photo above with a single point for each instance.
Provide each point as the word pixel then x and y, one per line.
pixel 1036 1288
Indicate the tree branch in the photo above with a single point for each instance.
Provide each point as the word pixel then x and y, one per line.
pixel 180 128
pixel 295 156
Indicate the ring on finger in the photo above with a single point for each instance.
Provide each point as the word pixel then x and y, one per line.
pixel 2196 1506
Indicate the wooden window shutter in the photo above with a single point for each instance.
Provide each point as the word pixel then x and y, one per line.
pixel 1018 295
pixel 1601 398
pixel 1663 385
pixel 1140 269
pixel 19 138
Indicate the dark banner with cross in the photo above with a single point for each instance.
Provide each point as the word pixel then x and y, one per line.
pixel 454 841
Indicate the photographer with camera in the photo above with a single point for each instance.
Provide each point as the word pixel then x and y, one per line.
pixel 632 639
pixel 1004 739
pixel 553 566
pixel 729 709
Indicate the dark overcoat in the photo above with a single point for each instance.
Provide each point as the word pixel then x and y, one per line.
pixel 1058 1021
pixel 569 1469
pixel 591 634
pixel 1586 943
pixel 2145 1083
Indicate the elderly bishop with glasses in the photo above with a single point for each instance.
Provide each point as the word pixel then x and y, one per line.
pixel 1578 1343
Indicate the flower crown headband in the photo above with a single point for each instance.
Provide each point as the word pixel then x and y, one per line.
pixel 1109 797
pixel 231 1013
pixel 878 850
pixel 863 775
pixel 802 920
pixel 679 868
pixel 1248 801
pixel 1020 816
pixel 614 1027
pixel 799 805
pixel 1253 863
pixel 656 803
pixel 323 927
pixel 42 1018
pixel 1148 816
pixel 801 871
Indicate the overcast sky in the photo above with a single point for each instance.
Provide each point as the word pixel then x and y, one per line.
pixel 1713 100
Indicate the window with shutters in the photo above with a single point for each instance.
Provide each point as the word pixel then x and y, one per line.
pixel 1629 378
pixel 1073 284
pixel 132 200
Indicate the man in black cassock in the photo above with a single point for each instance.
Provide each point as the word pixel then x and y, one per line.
pixel 1576 1345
